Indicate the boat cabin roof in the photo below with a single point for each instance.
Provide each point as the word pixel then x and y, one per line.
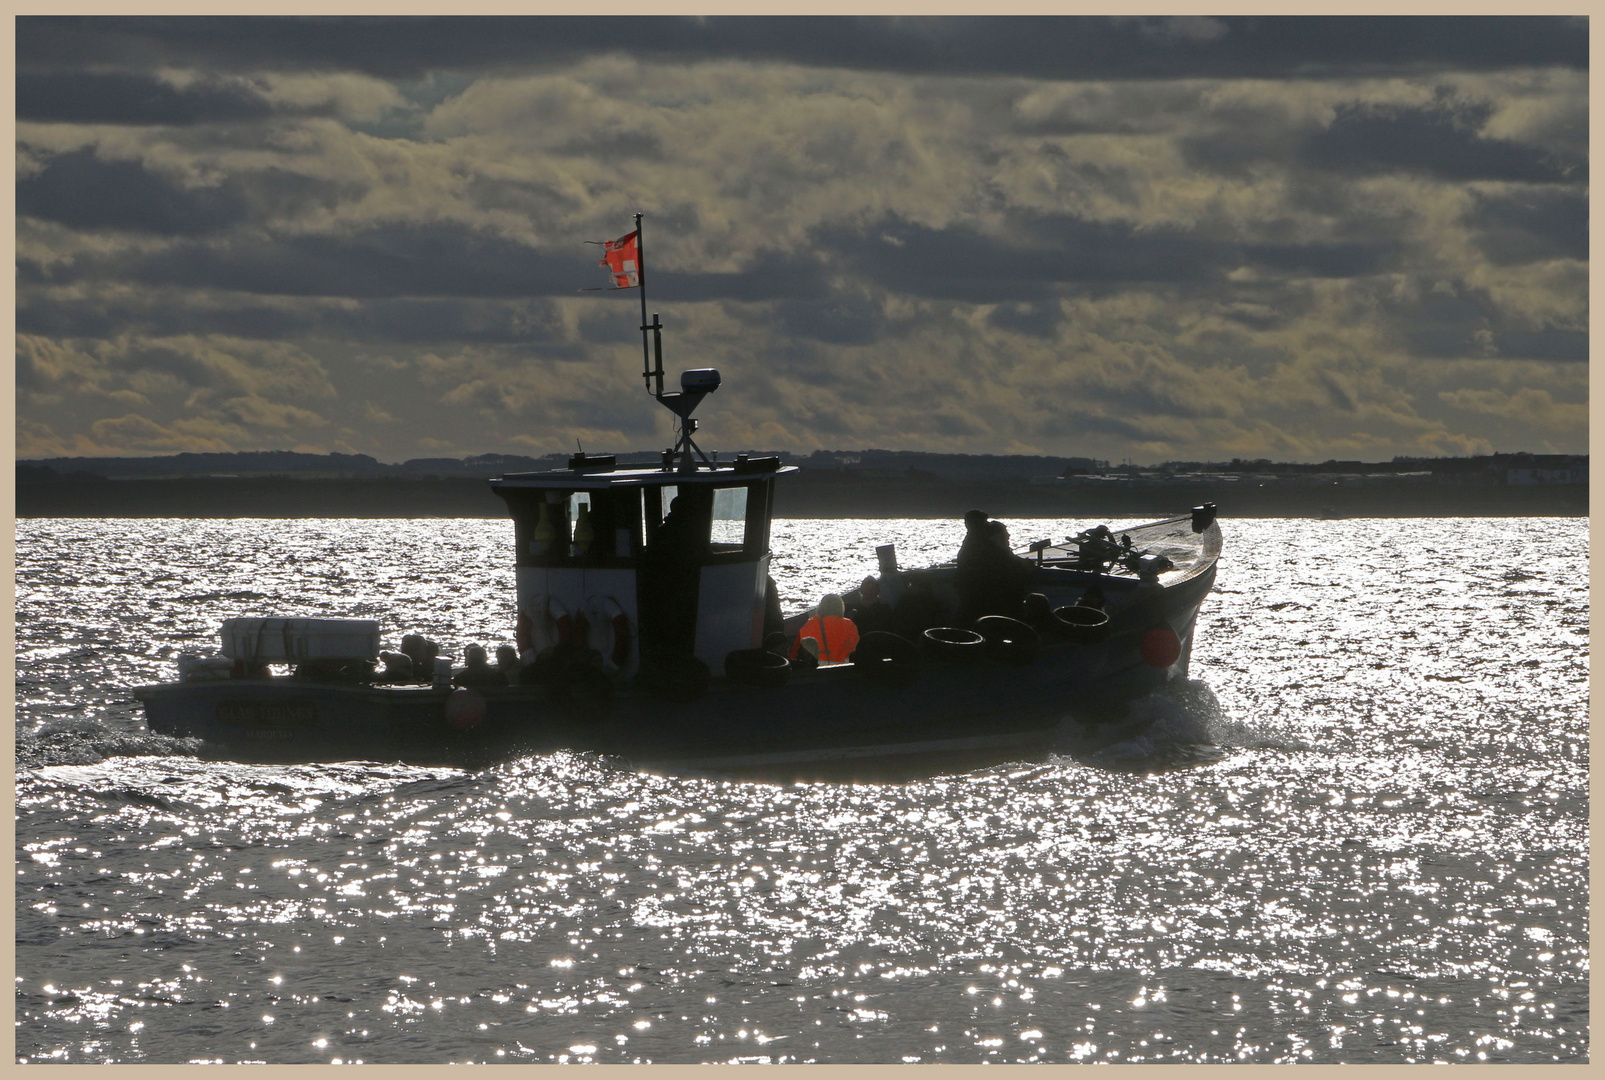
pixel 597 479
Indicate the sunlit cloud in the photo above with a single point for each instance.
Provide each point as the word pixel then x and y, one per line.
pixel 1149 238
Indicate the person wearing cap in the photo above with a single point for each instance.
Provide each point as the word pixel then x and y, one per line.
pixel 991 579
pixel 870 612
pixel 835 634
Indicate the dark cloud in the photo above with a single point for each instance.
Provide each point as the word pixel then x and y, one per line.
pixel 1530 226
pixel 1046 47
pixel 849 320
pixel 1039 255
pixel 1467 322
pixel 414 260
pixel 533 198
pixel 1231 152
pixel 132 98
pixel 1320 260
pixel 186 369
pixel 1210 226
pixel 1440 142
pixel 1036 320
pixel 961 263
pixel 401 260
pixel 1447 323
pixel 1547 344
pixel 772 275
pixel 1083 425
pixel 613 146
pixel 1338 395
pixel 279 193
pixel 409 321
pixel 80 190
pixel 1453 342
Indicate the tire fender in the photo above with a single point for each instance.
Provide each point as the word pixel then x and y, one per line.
pixel 1008 641
pixel 887 658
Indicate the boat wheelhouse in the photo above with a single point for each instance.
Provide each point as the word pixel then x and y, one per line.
pixel 645 562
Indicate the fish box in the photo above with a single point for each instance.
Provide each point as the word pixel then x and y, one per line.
pixel 291 641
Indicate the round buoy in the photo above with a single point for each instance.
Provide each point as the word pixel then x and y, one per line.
pixel 1161 647
pixel 465 709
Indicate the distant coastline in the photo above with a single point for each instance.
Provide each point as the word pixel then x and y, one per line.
pixel 807 494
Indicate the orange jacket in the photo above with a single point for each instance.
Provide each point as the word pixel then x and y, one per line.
pixel 836 643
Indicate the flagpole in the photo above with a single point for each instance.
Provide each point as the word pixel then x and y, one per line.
pixel 640 278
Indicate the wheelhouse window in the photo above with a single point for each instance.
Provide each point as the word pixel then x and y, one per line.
pixel 611 527
pixel 576 528
pixel 729 531
pixel 732 521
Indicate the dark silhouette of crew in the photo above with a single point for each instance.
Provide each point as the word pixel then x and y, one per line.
pixel 871 613
pixel 671 574
pixel 990 578
pixel 476 670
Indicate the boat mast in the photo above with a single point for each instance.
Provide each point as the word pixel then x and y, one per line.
pixel 694 385
pixel 655 327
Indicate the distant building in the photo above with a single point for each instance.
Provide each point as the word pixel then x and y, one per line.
pixel 1523 477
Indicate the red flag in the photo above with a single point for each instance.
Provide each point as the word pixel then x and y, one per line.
pixel 622 257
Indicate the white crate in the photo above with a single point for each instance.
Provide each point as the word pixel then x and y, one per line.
pixel 290 641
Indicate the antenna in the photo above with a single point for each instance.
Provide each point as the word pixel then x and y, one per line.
pixel 694 385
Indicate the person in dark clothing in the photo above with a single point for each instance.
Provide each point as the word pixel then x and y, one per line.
pixel 477 670
pixel 976 538
pixel 508 664
pixel 398 668
pixel 682 540
pixel 918 609
pixel 423 653
pixel 991 579
pixel 870 612
pixel 671 574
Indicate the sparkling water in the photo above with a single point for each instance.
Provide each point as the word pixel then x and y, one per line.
pixel 1359 833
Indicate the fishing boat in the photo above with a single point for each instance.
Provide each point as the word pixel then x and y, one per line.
pixel 648 631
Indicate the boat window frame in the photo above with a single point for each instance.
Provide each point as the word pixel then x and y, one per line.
pixel 639 509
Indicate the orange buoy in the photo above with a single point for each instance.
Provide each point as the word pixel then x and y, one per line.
pixel 465 709
pixel 1161 647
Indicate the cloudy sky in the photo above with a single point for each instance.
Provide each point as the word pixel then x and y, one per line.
pixel 1150 239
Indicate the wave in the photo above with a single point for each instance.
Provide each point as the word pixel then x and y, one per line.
pixel 1178 726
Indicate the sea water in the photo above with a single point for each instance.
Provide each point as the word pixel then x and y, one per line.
pixel 1358 833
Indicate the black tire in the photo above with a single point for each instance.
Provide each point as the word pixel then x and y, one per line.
pixel 1084 625
pixel 952 645
pixel 757 667
pixel 886 658
pixel 1008 641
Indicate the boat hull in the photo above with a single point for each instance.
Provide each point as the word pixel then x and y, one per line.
pixel 832 721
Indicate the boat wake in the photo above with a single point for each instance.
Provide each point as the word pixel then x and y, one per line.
pixel 85 742
pixel 1177 727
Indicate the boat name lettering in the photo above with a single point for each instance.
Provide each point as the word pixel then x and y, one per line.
pixel 276 713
